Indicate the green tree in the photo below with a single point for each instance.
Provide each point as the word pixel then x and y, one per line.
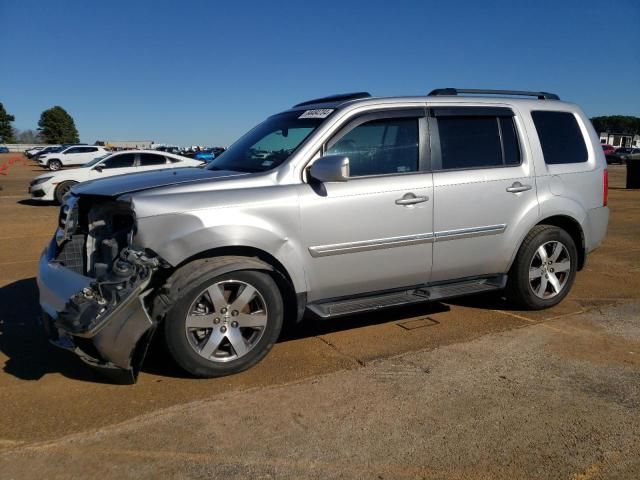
pixel 617 124
pixel 57 126
pixel 6 130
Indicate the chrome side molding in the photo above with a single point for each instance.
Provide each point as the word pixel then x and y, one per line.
pixel 392 242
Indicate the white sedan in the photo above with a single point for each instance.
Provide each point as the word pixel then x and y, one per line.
pixel 54 185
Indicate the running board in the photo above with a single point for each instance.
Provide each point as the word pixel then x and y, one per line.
pixel 350 306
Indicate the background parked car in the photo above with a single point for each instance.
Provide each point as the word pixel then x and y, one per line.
pixel 208 154
pixel 619 155
pixel 629 154
pixel 54 185
pixel 32 151
pixel 608 149
pixel 76 155
pixel 45 150
pixel 4 150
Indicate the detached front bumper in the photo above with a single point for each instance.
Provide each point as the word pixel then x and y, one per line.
pixel 116 338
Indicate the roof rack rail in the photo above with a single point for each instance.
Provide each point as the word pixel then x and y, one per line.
pixel 335 98
pixel 473 91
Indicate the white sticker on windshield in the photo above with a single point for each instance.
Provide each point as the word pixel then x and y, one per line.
pixel 320 113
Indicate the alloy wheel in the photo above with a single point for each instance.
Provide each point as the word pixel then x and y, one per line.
pixel 549 269
pixel 226 320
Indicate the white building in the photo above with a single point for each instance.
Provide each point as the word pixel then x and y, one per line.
pixel 620 139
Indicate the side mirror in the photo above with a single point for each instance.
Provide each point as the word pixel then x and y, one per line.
pixel 332 168
pixel 98 168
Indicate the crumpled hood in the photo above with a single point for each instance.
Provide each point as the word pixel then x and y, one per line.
pixel 135 182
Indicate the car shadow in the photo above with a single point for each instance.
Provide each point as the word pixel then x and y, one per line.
pixel 36 203
pixel 22 340
pixel 31 357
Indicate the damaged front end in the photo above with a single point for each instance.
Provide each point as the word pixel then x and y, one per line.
pixel 94 286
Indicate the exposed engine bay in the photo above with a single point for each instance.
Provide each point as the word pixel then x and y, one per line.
pixel 108 317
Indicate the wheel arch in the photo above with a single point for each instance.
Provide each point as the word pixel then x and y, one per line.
pixel 568 224
pixel 234 258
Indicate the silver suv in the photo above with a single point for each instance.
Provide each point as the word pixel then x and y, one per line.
pixel 338 205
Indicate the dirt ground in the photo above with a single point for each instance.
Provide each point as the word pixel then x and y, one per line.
pixel 467 389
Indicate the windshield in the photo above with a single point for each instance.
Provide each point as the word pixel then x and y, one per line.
pixel 94 161
pixel 269 144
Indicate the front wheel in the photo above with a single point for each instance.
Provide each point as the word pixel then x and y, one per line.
pixel 62 189
pixel 224 324
pixel 54 165
pixel 544 269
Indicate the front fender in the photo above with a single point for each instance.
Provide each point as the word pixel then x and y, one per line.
pixel 177 237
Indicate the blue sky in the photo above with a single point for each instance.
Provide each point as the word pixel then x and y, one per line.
pixel 203 72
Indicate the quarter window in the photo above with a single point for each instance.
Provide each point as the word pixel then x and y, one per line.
pixel 560 137
pixel 476 141
pixel 380 147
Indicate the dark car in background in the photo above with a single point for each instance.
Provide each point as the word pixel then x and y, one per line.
pixel 621 155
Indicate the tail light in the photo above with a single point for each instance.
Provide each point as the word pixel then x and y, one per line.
pixel 605 192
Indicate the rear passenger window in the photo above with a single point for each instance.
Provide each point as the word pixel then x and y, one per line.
pixel 560 137
pixel 149 159
pixel 475 141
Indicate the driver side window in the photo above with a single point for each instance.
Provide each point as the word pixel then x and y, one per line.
pixel 380 147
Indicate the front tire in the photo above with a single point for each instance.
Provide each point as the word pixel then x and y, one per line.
pixel 223 324
pixel 62 189
pixel 544 269
pixel 54 165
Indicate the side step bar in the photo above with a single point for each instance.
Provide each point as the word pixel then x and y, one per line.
pixel 350 306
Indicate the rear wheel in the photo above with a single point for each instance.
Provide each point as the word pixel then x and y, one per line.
pixel 224 324
pixel 545 268
pixel 62 189
pixel 54 165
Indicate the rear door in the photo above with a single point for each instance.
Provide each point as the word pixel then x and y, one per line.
pixel 484 186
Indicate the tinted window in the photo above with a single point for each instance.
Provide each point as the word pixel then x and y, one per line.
pixel 380 147
pixel 477 141
pixel 560 137
pixel 469 142
pixel 73 150
pixel 148 159
pixel 119 161
pixel 509 141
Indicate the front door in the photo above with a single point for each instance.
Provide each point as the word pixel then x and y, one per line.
pixel 484 187
pixel 374 231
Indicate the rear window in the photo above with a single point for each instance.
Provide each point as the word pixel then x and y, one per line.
pixel 560 137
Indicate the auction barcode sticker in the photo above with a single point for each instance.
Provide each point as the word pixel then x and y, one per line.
pixel 320 113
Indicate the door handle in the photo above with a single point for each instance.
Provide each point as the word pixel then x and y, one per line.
pixel 411 199
pixel 517 187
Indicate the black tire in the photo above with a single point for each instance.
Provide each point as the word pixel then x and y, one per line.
pixel 54 165
pixel 520 288
pixel 186 288
pixel 62 189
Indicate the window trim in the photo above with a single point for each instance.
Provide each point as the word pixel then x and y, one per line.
pixel 495 112
pixel 371 115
